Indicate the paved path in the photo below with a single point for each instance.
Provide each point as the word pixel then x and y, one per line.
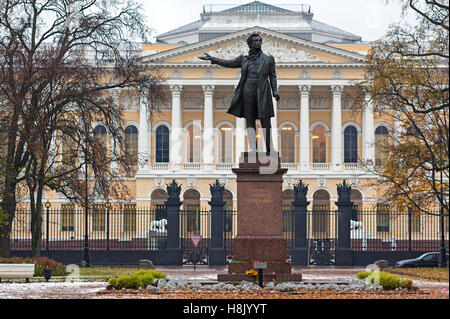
pixel 80 290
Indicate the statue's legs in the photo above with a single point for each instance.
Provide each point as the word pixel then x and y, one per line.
pixel 251 133
pixel 266 126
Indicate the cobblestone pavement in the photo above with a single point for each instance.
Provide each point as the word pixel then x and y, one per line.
pixel 87 290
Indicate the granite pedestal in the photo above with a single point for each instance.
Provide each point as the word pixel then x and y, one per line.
pixel 259 219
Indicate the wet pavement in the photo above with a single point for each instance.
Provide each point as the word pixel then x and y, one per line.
pixel 202 274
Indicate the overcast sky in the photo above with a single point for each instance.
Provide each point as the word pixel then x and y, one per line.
pixel 366 18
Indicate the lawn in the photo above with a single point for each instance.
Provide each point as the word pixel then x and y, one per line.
pixel 438 274
pixel 105 272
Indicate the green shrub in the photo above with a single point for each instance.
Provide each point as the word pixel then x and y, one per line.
pixel 138 279
pixel 363 275
pixel 406 284
pixel 129 281
pixel 113 282
pixel 40 263
pixel 388 281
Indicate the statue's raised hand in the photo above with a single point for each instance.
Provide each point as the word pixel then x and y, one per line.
pixel 206 57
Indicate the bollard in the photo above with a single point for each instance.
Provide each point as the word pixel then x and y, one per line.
pixel 260 267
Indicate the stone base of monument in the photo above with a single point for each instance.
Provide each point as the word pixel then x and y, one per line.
pixel 235 279
pixel 259 220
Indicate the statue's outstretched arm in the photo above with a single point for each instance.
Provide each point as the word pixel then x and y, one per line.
pixel 235 63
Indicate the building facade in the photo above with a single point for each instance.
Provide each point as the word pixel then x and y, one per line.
pixel 193 140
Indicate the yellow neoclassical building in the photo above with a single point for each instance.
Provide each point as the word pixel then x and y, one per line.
pixel 192 139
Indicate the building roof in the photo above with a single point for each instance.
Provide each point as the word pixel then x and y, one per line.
pixel 257 7
pixel 260 7
pixel 323 27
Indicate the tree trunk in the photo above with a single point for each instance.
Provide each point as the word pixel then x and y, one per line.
pixel 8 208
pixel 36 226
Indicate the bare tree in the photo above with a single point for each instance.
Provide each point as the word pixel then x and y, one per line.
pixel 59 62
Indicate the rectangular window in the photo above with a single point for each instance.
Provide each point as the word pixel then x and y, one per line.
pixel 99 218
pixel 320 220
pixel 129 218
pixel 67 217
pixel 382 218
pixel 192 219
pixel 415 222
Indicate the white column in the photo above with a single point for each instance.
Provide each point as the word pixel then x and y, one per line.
pixel 176 134
pixel 274 124
pixel 114 165
pixel 53 151
pixel 304 127
pixel 336 127
pixel 208 128
pixel 144 136
pixel 368 150
pixel 240 138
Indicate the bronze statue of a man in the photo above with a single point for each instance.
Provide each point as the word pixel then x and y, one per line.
pixel 252 98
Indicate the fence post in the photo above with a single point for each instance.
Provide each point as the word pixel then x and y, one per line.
pixel 300 253
pixel 345 208
pixel 47 205
pixel 216 251
pixel 108 207
pixel 173 250
pixel 409 226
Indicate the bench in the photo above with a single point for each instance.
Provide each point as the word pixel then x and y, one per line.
pixel 17 271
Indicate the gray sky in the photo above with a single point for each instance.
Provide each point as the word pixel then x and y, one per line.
pixel 366 18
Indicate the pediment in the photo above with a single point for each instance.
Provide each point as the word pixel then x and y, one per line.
pixel 285 49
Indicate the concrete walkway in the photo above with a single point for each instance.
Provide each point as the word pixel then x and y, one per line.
pixel 87 290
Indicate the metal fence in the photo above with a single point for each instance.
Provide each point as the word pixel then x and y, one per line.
pixel 132 228
pixel 128 228
pixel 386 230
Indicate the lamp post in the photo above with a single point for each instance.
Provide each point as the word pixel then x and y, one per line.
pixel 47 206
pixel 86 257
pixel 442 252
pixel 108 207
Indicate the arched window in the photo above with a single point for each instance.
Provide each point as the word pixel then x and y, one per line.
pixel 226 144
pixel 228 199
pixel 69 147
pixel 194 151
pixel 356 199
pixel 288 198
pixel 191 211
pixel 319 144
pixel 321 213
pixel 350 145
pixel 158 200
pixel 287 144
pixel 131 143
pixel 381 146
pixel 162 144
pixel 100 134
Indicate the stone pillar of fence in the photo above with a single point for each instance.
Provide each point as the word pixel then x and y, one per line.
pixel 217 249
pixel 345 208
pixel 173 250
pixel 300 252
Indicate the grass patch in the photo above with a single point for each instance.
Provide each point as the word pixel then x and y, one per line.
pixel 106 272
pixel 138 279
pixel 438 274
pixel 388 281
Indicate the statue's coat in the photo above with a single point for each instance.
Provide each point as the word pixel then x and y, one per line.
pixel 266 72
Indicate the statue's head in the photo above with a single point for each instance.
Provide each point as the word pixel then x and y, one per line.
pixel 254 41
